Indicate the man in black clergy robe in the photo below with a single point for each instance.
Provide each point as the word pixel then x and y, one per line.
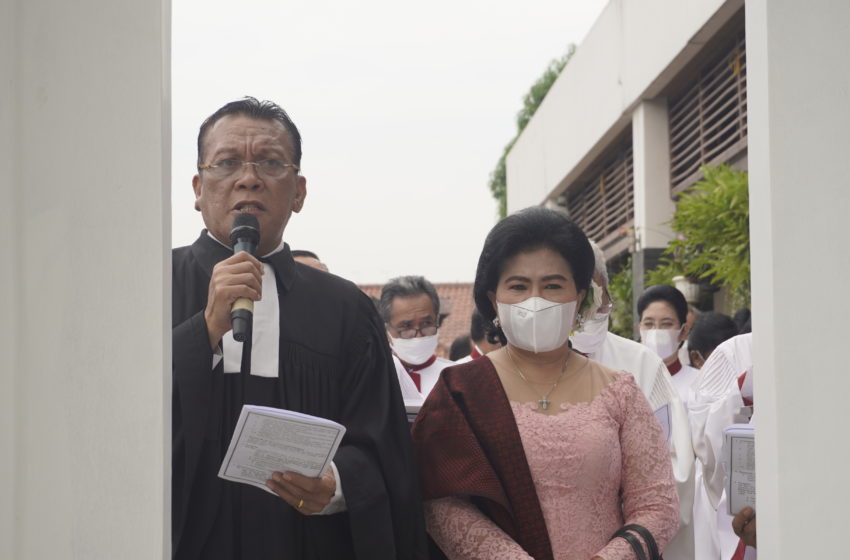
pixel 318 347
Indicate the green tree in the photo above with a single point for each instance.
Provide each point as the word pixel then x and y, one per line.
pixel 712 226
pixel 530 103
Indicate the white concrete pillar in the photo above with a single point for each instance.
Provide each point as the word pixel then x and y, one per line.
pixel 799 118
pixel 651 148
pixel 85 236
pixel 653 205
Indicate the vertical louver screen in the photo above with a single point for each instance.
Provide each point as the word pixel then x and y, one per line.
pixel 708 122
pixel 606 202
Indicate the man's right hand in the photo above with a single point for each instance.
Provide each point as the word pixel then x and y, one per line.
pixel 744 525
pixel 238 276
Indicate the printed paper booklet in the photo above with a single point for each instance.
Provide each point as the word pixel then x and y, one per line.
pixel 268 440
pixel 739 462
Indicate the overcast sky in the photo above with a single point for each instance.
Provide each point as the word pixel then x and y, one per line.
pixel 404 110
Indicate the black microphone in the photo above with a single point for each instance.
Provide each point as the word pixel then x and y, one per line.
pixel 244 236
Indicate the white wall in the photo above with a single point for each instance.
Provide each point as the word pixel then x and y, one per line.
pixel 84 156
pixel 798 88
pixel 632 50
pixel 8 280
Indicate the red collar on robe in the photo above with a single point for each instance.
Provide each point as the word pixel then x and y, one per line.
pixel 475 353
pixel 675 367
pixel 466 442
pixel 423 365
pixel 747 401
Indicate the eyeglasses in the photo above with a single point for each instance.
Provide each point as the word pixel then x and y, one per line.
pixel 411 332
pixel 267 168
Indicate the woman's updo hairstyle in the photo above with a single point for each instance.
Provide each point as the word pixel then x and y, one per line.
pixel 528 230
pixel 669 295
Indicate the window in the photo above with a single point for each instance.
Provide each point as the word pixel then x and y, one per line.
pixel 708 122
pixel 605 203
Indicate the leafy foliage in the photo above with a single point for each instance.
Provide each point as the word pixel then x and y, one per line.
pixel 664 273
pixel 499 181
pixel 530 103
pixel 620 289
pixel 538 91
pixel 712 222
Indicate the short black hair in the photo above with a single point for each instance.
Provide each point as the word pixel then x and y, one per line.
pixel 744 319
pixel 304 253
pixel 710 330
pixel 667 294
pixel 460 347
pixel 251 107
pixel 477 326
pixel 527 230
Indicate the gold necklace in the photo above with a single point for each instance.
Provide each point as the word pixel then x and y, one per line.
pixel 544 401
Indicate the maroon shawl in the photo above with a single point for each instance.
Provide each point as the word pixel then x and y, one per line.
pixel 467 445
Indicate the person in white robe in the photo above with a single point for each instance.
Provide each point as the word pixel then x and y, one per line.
pixel 594 340
pixel 662 314
pixel 410 308
pixel 708 332
pixel 717 401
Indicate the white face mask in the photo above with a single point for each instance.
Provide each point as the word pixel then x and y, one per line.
pixel 416 350
pixel 664 342
pixel 592 334
pixel 537 324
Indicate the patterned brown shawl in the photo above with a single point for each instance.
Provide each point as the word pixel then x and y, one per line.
pixel 467 445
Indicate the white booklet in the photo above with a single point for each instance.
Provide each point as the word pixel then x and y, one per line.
pixel 739 462
pixel 268 440
pixel 662 413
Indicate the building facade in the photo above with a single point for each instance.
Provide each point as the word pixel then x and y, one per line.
pixel 656 91
pixel 661 86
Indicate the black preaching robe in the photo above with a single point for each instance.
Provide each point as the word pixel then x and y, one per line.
pixel 334 363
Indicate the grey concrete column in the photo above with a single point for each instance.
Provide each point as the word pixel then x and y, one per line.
pixel 85 236
pixel 799 118
pixel 653 204
pixel 9 284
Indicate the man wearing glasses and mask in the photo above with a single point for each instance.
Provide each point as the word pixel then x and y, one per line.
pixel 317 347
pixel 410 308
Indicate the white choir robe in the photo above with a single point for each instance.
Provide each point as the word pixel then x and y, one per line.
pixel 683 381
pixel 705 518
pixel 684 355
pixel 652 377
pixel 427 379
pixel 715 403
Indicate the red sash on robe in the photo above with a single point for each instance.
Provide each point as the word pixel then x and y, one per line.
pixel 413 371
pixel 675 367
pixel 740 551
pixel 467 444
pixel 747 401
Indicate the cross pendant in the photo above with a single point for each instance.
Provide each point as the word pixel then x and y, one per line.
pixel 544 403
